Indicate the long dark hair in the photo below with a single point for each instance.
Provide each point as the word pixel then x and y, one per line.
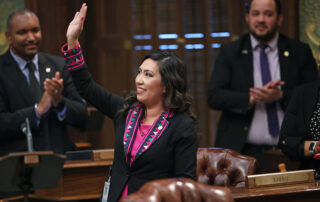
pixel 174 78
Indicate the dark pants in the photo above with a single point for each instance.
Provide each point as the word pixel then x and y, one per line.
pixel 258 152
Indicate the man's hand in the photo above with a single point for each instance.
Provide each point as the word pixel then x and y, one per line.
pixel 271 92
pixel 252 100
pixel 44 104
pixel 54 87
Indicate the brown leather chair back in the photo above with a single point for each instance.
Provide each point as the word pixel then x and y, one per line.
pixel 179 190
pixel 224 167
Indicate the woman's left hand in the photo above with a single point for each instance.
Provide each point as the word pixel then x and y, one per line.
pixel 76 26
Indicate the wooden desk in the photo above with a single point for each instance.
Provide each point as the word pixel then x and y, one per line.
pixel 276 157
pixel 293 193
pixel 80 179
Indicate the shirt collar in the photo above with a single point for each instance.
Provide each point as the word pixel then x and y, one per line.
pixel 22 63
pixel 272 44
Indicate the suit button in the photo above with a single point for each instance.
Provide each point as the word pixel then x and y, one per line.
pixel 283 142
pixel 246 128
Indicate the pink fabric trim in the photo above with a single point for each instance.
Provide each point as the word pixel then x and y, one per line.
pixel 66 44
pixel 76 66
pixel 134 129
pixel 75 63
pixel 125 192
pixel 71 56
pixel 139 140
pixel 135 147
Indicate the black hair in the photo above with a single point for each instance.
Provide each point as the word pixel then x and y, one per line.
pixel 277 2
pixel 174 78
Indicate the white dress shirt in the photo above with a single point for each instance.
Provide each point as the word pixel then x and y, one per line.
pixel 259 131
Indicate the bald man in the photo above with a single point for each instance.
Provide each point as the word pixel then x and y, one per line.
pixel 22 95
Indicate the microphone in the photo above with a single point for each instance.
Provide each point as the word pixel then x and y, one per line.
pixel 25 128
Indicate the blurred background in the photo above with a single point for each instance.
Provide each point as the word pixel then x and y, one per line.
pixel 118 33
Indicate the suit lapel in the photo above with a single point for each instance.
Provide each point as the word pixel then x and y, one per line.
pixel 131 127
pixel 132 121
pixel 11 67
pixel 46 70
pixel 155 132
pixel 246 60
pixel 18 78
pixel 284 53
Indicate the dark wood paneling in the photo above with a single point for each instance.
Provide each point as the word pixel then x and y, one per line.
pixel 54 19
pixel 289 27
pixel 108 46
pixel 106 43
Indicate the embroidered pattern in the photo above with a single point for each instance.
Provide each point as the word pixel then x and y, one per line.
pixel 131 126
pixel 154 134
pixel 73 57
pixel 156 130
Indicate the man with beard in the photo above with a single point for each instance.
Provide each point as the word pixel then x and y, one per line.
pixel 24 71
pixel 253 80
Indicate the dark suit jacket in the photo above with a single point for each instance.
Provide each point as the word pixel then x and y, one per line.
pixel 172 155
pixel 295 126
pixel 232 78
pixel 16 104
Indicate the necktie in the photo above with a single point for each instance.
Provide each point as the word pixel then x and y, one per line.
pixel 34 84
pixel 273 122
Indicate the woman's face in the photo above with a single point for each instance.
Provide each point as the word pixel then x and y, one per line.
pixel 149 84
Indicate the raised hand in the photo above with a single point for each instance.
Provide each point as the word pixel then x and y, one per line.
pixel 76 26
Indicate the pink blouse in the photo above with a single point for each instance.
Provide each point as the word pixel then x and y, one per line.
pixel 135 147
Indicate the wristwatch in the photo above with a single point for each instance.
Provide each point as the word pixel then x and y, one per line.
pixel 312 147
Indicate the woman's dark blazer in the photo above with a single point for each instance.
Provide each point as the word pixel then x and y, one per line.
pixel 295 125
pixel 172 155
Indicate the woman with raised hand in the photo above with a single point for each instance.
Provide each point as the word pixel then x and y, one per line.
pixel 155 131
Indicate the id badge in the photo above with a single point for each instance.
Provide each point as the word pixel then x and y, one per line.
pixel 106 190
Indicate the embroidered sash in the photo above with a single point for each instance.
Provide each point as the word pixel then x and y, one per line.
pixel 132 123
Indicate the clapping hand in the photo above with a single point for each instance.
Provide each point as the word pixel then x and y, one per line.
pixel 76 26
pixel 270 92
pixel 54 88
pixel 44 104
